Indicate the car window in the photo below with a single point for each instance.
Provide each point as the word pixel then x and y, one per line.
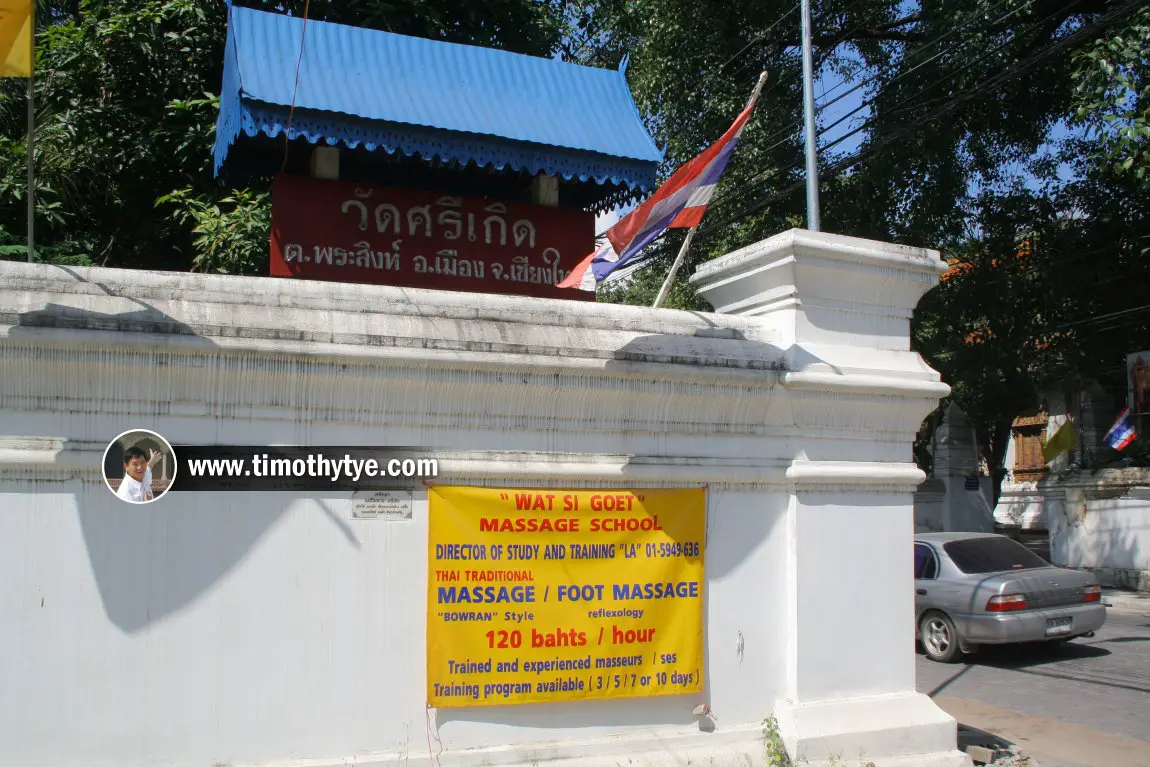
pixel 925 564
pixel 992 555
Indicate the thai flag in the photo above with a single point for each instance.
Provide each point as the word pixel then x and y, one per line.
pixel 680 203
pixel 1121 434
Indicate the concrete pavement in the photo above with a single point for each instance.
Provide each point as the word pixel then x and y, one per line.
pixel 1052 743
pixel 1084 705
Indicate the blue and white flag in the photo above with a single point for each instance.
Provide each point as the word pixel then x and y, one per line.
pixel 1121 434
pixel 679 203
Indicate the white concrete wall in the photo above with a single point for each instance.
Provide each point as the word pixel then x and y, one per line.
pixel 227 628
pixel 1020 503
pixel 930 507
pixel 1101 523
pixel 270 629
pixel 944 503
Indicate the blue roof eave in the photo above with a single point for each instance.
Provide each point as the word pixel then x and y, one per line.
pixel 455 102
pixel 253 118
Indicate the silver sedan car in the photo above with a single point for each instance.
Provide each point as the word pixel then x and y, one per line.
pixel 973 589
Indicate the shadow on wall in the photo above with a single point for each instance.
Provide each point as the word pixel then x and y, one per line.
pixel 152 561
pixel 149 562
pixel 147 319
pixel 708 347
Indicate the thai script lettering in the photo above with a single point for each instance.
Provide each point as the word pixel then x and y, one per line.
pixel 445 263
pixel 451 223
pixel 360 256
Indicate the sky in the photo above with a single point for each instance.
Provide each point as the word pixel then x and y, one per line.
pixel 825 81
pixel 829 85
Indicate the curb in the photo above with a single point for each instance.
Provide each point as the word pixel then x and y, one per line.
pixel 986 748
pixel 1126 600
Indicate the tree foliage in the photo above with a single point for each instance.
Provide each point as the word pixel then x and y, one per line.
pixel 1049 288
pixel 1112 98
pixel 976 115
pixel 126 100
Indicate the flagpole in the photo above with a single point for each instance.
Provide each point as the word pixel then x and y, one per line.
pixel 663 291
pixel 31 139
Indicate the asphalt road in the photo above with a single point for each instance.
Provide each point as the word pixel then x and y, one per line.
pixel 1086 704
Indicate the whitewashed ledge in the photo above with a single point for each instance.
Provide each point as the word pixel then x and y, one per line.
pixel 309 316
pixel 190 311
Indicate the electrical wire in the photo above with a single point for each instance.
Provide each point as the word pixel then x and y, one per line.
pixel 718 71
pixel 759 37
pixel 928 45
pixel 986 86
pixel 842 36
pixel 938 39
pixel 775 81
pixel 295 87
pixel 905 100
pixel 796 128
pixel 1097 318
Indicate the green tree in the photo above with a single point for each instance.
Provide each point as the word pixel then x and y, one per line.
pixel 127 96
pixel 957 92
pixel 1112 99
pixel 1003 328
pixel 964 132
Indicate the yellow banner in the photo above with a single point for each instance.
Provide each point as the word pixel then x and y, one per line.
pixel 1062 440
pixel 16 38
pixel 537 596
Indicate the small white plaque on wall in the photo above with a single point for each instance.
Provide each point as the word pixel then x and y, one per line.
pixel 391 505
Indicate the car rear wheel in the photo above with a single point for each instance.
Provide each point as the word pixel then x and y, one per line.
pixel 939 638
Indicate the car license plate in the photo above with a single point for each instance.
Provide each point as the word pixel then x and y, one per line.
pixel 1056 626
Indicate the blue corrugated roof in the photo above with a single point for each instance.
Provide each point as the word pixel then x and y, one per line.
pixel 460 102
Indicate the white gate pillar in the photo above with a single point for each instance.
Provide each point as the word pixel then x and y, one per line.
pixel 857 395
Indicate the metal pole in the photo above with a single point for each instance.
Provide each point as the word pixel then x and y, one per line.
pixel 809 122
pixel 663 291
pixel 31 146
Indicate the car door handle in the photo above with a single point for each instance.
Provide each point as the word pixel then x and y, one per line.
pixel 920 592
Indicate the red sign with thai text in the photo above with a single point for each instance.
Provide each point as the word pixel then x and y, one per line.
pixel 347 232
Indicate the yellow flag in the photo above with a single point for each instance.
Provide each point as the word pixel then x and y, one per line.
pixel 1065 438
pixel 16 38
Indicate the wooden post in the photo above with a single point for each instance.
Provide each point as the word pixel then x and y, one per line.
pixel 545 190
pixel 325 162
pixel 31 212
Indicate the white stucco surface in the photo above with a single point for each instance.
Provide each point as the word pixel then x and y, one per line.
pixel 957 497
pixel 1020 503
pixel 1096 520
pixel 1101 522
pixel 244 629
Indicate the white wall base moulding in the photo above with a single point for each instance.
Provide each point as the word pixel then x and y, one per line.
pixel 896 730
pixel 734 747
